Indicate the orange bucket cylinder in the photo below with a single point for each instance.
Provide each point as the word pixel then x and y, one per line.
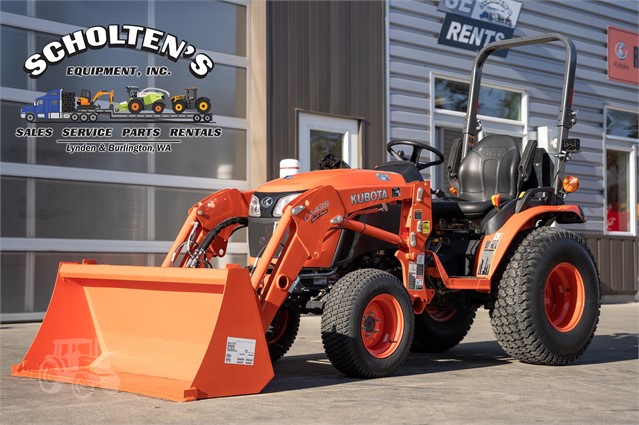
pixel 173 333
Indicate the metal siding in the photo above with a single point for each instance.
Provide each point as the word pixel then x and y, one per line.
pixel 616 257
pixel 325 57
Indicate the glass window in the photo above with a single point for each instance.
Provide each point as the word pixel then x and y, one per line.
pixel 171 209
pixel 617 190
pixel 12 148
pixel 324 143
pixel 622 123
pixel 79 210
pixel 221 157
pixel 50 152
pixel 225 86
pixel 13 274
pixel 55 76
pixel 14 207
pixel 13 44
pixel 89 13
pixel 217 25
pixel 453 96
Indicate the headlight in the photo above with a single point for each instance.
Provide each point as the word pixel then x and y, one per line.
pixel 254 207
pixel 282 203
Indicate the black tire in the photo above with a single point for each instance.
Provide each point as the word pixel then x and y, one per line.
pixel 440 329
pixel 203 105
pixel 135 106
pixel 179 106
pixel 93 117
pixel 84 117
pixel 30 117
pixel 74 117
pixel 197 117
pixel 158 107
pixel 281 335
pixel 349 319
pixel 548 267
pixel 207 118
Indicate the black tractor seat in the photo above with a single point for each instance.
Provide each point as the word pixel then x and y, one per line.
pixel 490 168
pixel 459 208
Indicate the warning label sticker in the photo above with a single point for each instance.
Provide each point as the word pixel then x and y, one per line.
pixel 240 351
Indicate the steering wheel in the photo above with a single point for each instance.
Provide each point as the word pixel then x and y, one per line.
pixel 418 147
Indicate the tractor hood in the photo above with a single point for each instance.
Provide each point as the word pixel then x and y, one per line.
pixel 340 178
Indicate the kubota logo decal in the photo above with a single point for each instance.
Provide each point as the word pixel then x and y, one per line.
pixel 373 195
pixel 129 36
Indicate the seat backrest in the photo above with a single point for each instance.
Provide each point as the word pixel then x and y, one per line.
pixel 490 168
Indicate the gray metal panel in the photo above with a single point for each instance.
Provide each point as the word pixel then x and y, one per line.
pixel 414 53
pixel 325 57
pixel 617 258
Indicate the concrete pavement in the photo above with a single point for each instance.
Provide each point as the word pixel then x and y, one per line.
pixel 476 382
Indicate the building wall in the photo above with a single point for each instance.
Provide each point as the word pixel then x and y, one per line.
pixel 120 208
pixel 325 57
pixel 415 57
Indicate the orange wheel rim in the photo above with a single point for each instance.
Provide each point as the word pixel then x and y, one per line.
pixel 382 326
pixel 440 314
pixel 135 107
pixel 280 326
pixel 564 297
pixel 158 108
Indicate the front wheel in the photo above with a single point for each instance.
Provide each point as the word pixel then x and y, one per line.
pixel 135 105
pixel 158 107
pixel 547 304
pixel 30 117
pixel 282 332
pixel 367 324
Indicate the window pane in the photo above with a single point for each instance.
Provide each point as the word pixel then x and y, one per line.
pixel 216 25
pixel 14 207
pixel 617 192
pixel 78 210
pixel 13 274
pixel 13 149
pixel 324 143
pixel 49 152
pixel 47 268
pixel 13 44
pixel 622 123
pixel 453 96
pixel 225 86
pixel 221 157
pixel 171 209
pixel 89 13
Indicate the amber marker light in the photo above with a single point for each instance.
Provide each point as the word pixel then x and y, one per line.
pixel 571 184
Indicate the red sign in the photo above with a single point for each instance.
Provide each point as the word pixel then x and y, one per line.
pixel 623 55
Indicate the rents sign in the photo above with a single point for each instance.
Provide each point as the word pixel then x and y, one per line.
pixel 623 56
pixel 471 24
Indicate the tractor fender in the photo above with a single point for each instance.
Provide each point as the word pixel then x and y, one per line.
pixel 494 246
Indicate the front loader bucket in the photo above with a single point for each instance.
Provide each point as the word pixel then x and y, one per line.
pixel 174 333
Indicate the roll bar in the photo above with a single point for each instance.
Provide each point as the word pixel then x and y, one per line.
pixel 566 118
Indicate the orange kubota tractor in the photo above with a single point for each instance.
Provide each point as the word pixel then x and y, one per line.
pixel 389 264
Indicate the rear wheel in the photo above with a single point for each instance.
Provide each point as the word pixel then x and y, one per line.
pixel 135 106
pixel 439 329
pixel 203 105
pixel 282 332
pixel 547 305
pixel 158 107
pixel 367 324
